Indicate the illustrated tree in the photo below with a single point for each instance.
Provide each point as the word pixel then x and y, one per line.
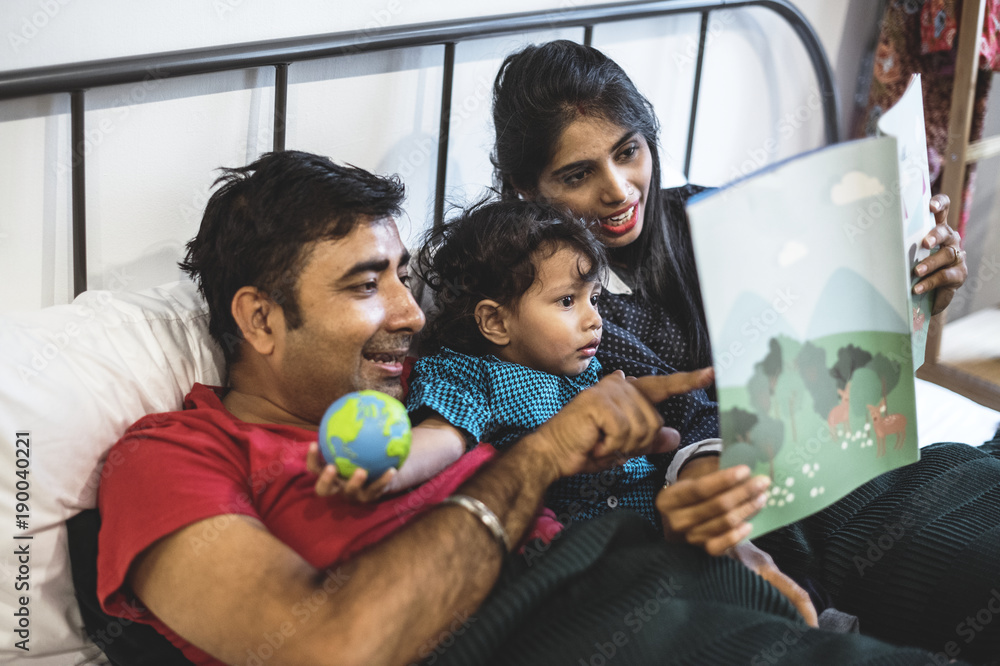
pixel 735 425
pixel 790 392
pixel 767 437
pixel 811 364
pixel 750 439
pixel 849 359
pixel 866 389
pixel 888 372
pixel 759 390
pixel 771 365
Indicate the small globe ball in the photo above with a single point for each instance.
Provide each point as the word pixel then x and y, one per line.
pixel 366 429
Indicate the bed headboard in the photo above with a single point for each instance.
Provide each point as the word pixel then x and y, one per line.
pixel 78 80
pixel 73 377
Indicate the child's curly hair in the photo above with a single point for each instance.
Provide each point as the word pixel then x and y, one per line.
pixel 490 251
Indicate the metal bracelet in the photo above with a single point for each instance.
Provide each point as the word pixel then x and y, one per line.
pixel 485 516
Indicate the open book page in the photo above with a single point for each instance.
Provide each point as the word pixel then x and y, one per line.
pixel 810 323
pixel 905 122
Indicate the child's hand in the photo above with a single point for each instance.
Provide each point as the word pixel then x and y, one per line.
pixel 329 482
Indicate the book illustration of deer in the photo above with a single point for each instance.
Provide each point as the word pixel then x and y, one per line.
pixel 840 415
pixel 885 425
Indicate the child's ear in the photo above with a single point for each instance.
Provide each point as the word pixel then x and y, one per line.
pixel 492 320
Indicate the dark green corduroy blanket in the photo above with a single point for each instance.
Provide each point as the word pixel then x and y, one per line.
pixel 610 591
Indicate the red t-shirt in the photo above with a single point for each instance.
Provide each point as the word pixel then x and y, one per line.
pixel 171 470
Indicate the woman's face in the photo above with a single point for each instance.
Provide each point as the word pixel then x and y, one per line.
pixel 601 171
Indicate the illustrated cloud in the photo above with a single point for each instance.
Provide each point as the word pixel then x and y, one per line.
pixel 854 186
pixel 791 252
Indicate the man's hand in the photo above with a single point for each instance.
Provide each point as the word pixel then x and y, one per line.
pixel 613 420
pixel 329 481
pixel 945 270
pixel 763 565
pixel 709 507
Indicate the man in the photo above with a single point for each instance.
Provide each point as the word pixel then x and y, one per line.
pixel 211 522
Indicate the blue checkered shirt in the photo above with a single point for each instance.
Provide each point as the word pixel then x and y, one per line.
pixel 498 402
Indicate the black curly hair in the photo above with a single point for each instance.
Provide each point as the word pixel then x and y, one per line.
pixel 490 251
pixel 260 226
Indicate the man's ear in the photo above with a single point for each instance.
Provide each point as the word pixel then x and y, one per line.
pixel 492 320
pixel 258 318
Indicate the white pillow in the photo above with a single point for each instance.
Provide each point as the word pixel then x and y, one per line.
pixel 75 377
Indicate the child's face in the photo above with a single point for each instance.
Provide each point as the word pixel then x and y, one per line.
pixel 556 327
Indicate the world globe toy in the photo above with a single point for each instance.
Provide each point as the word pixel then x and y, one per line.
pixel 365 429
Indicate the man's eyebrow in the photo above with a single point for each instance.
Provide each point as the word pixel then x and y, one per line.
pixel 373 266
pixel 575 165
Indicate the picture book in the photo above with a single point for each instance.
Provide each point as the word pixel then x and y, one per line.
pixel 806 271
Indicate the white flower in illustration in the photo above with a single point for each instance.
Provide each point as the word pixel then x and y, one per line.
pixel 854 186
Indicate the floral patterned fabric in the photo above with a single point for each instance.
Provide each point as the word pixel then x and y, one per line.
pixel 939 26
pixel 920 36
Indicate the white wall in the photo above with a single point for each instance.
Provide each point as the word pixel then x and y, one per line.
pixel 153 145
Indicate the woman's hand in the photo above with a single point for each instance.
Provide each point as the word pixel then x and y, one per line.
pixel 329 482
pixel 709 507
pixel 945 270
pixel 763 565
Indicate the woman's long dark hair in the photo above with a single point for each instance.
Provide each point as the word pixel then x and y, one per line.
pixel 538 92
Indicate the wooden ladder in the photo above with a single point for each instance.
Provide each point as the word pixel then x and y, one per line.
pixel 964 355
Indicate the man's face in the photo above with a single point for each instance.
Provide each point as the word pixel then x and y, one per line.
pixel 358 317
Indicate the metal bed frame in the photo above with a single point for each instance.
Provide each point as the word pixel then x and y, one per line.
pixel 76 78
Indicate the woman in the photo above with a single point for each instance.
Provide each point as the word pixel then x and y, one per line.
pixel 572 129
